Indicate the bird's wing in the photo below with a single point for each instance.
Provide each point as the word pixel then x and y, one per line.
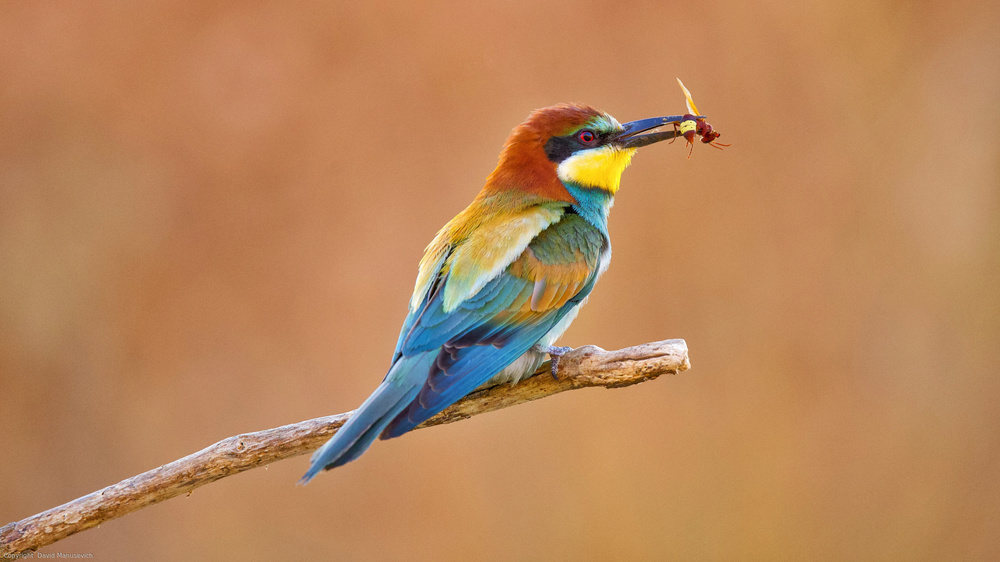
pixel 471 250
pixel 479 331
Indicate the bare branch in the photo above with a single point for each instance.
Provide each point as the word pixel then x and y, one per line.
pixel 580 368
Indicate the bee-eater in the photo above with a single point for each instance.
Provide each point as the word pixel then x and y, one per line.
pixel 505 278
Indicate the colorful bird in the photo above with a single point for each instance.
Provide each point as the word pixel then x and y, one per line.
pixel 506 277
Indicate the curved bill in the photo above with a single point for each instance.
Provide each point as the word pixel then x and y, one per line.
pixel 630 136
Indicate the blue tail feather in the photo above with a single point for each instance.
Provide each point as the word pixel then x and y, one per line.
pixel 400 387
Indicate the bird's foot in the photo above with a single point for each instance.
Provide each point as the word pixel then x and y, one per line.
pixel 555 352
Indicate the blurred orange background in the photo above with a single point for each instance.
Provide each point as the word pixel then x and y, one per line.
pixel 211 217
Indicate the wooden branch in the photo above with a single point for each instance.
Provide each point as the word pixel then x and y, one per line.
pixel 582 367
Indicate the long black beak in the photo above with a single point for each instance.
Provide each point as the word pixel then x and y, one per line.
pixel 630 137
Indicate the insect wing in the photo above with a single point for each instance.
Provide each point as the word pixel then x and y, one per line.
pixel 692 109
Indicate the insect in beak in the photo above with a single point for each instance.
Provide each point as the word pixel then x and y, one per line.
pixel 695 126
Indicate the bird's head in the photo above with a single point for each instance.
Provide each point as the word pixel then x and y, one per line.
pixel 572 145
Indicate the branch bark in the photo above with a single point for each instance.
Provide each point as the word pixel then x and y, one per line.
pixel 580 368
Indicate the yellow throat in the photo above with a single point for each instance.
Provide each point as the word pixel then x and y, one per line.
pixel 599 167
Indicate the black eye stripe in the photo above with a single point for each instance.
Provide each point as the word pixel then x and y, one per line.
pixel 561 148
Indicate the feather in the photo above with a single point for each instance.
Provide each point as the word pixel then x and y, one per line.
pixel 481 336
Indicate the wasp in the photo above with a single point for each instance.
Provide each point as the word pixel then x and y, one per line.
pixel 694 125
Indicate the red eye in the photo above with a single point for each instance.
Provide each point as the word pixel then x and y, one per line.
pixel 587 137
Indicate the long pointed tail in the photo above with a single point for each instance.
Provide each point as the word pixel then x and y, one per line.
pixel 400 387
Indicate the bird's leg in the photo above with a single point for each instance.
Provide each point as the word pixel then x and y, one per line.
pixel 555 352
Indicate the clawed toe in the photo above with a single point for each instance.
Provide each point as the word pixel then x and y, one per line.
pixel 555 352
